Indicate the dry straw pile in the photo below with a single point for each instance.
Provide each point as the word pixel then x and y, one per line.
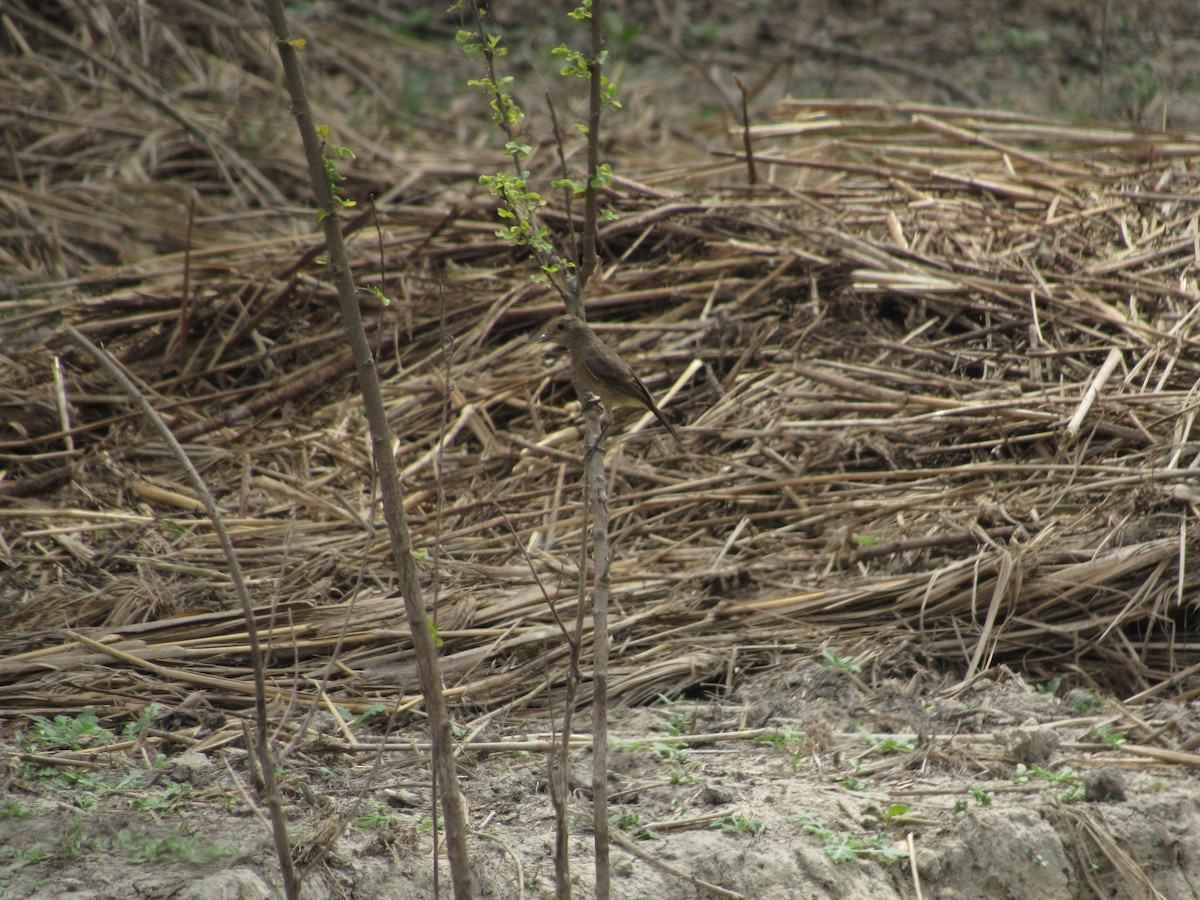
pixel 936 372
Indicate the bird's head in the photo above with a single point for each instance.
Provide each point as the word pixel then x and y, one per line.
pixel 566 331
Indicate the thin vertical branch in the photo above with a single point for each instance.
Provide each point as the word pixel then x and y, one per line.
pixel 747 143
pixel 185 293
pixel 568 191
pixel 601 558
pixel 570 281
pixel 1104 60
pixel 560 761
pixel 261 737
pixel 447 342
pixel 597 492
pixel 428 666
pixel 557 762
pixel 591 211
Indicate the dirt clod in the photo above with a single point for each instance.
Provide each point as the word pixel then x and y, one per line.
pixel 1029 744
pixel 1105 785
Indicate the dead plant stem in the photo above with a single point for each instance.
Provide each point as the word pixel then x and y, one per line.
pixel 597 494
pixel 261 736
pixel 428 666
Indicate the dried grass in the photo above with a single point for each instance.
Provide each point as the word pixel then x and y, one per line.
pixel 877 354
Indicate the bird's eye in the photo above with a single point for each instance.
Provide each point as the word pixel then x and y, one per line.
pixel 561 325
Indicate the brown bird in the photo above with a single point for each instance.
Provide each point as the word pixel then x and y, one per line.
pixel 601 370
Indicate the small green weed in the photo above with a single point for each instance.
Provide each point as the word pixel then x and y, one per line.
pixel 1014 39
pixel 671 749
pixel 1069 786
pixel 982 795
pixel 889 816
pixel 12 861
pixel 884 746
pixel 781 739
pixel 14 809
pixel 144 789
pixel 425 825
pixel 66 733
pixel 140 848
pixel 1050 687
pixel 366 823
pixel 843 846
pixel 73 842
pixel 831 660
pixel 170 527
pixel 632 823
pixel 736 823
pixel 680 725
pixel 1024 774
pixel 168 799
pixel 1111 739
pixel 667 749
pixel 134 730
pixel 354 721
pixel 785 739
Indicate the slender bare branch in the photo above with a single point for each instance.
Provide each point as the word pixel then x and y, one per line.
pixel 261 737
pixel 428 666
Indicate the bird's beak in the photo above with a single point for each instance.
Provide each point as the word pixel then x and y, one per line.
pixel 543 337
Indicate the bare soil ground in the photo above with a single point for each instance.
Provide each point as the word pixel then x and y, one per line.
pixel 797 713
pixel 817 784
